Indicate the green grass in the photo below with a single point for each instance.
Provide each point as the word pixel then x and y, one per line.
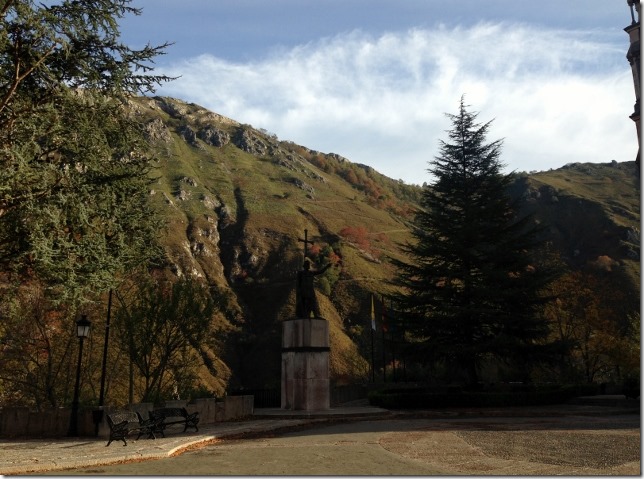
pixel 613 187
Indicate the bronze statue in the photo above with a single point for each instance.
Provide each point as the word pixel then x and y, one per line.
pixel 306 302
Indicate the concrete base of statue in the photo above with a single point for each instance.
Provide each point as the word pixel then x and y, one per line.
pixel 305 365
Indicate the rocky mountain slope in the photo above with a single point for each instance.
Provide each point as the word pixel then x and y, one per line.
pixel 238 200
pixel 592 212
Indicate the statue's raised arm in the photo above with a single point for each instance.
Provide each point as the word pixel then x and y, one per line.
pixel 306 301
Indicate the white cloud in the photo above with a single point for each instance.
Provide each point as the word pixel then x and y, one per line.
pixel 556 96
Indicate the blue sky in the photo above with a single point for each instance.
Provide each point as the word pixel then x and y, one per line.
pixel 371 79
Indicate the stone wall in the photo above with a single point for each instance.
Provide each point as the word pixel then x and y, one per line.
pixel 21 422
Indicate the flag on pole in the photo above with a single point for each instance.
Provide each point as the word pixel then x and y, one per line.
pixel 373 315
pixel 385 327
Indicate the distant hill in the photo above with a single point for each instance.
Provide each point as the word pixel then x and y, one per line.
pixel 237 200
pixel 593 216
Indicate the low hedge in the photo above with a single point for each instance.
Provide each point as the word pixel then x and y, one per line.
pixel 424 399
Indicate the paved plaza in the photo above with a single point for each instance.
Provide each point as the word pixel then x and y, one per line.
pixel 553 440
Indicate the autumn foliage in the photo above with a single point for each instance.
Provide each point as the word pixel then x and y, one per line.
pixel 362 239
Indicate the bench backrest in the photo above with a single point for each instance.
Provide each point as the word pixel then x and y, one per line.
pixel 120 416
pixel 168 412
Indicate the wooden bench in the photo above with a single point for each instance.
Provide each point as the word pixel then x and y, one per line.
pixel 168 416
pixel 123 423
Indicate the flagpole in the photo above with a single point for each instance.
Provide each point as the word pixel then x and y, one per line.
pixel 403 345
pixel 373 329
pixel 384 358
pixel 373 368
pixel 393 340
pixel 384 352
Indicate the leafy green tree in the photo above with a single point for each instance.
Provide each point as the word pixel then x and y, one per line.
pixel 586 316
pixel 35 352
pixel 164 327
pixel 471 285
pixel 73 175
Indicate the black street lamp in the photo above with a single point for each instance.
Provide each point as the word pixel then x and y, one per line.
pixel 82 331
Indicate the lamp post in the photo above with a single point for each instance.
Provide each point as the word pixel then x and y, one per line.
pixel 82 331
pixel 98 414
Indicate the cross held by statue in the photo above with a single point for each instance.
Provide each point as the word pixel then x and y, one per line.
pixel 306 242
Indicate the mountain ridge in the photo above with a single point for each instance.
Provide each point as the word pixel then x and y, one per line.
pixel 237 200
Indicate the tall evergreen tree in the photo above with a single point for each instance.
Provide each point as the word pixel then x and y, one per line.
pixel 73 174
pixel 471 285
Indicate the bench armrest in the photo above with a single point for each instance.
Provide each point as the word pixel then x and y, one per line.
pixel 120 426
pixel 149 422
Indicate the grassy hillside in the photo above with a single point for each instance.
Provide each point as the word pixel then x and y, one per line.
pixel 237 200
pixel 236 206
pixel 593 217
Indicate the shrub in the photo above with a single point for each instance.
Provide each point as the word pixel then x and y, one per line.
pixel 324 286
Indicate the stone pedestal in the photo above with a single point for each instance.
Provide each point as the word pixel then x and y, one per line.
pixel 305 365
